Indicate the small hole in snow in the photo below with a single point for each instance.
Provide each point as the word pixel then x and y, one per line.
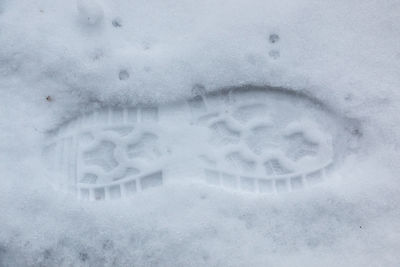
pixel 47 254
pixel 83 256
pixel 108 244
pixel 123 75
pixel 348 97
pixel 356 132
pixel 117 23
pixel 273 38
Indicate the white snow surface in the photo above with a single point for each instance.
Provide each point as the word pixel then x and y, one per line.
pixel 90 53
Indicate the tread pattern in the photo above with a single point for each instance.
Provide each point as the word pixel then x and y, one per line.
pixel 251 139
pixel 105 155
pixel 254 149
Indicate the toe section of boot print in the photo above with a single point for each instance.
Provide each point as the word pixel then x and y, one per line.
pixel 269 140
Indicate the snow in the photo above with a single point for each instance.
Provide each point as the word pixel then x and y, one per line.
pixel 89 53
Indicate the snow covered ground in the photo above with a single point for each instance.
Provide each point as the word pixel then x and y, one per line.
pixel 60 59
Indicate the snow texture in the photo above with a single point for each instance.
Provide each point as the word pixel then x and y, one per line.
pixel 60 60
